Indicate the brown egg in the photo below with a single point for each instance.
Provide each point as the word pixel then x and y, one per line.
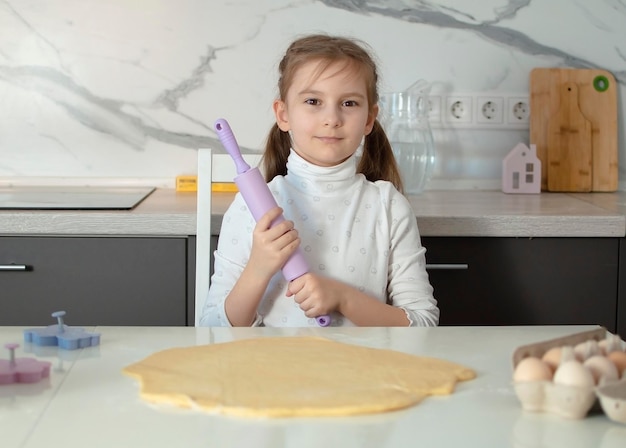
pixel 619 359
pixel 532 369
pixel 552 357
pixel 556 356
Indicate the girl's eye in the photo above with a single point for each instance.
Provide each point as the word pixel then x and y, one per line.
pixel 350 103
pixel 312 101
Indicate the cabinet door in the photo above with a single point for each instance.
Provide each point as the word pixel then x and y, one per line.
pixel 97 281
pixel 621 297
pixel 525 281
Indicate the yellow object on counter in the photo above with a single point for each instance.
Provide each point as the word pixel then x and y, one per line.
pixel 224 187
pixel 190 184
pixel 186 183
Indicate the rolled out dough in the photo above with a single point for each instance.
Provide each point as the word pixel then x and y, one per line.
pixel 293 376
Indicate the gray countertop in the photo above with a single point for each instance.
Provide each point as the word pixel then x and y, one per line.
pixel 439 213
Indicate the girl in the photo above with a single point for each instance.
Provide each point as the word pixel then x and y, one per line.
pixel 356 229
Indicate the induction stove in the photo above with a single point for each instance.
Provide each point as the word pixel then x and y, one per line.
pixel 72 197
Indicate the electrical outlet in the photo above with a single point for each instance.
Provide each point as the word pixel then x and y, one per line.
pixel 458 110
pixel 490 110
pixel 434 109
pixel 480 110
pixel 518 111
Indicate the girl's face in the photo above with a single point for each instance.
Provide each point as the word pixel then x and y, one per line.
pixel 327 113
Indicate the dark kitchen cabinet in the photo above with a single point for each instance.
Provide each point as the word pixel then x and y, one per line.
pixel 96 280
pixel 621 292
pixel 517 281
pixel 151 280
pixel 527 281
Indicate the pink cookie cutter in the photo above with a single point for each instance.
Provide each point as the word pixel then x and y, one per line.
pixel 22 370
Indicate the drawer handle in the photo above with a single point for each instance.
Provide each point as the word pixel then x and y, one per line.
pixel 448 266
pixel 15 267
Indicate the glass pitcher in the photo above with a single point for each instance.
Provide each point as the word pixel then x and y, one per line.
pixel 405 119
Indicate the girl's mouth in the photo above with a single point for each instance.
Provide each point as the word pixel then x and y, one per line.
pixel 329 139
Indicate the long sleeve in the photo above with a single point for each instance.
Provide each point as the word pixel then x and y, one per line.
pixel 231 257
pixel 408 284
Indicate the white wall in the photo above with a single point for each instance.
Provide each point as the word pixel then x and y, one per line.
pixel 126 90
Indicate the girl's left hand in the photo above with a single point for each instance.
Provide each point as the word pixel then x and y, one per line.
pixel 316 295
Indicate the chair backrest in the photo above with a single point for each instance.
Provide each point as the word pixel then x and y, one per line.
pixel 203 229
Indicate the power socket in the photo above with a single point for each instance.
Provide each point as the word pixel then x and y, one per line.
pixel 458 110
pixel 482 110
pixel 490 110
pixel 434 109
pixel 518 111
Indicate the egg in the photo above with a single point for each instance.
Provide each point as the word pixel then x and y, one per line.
pixel 573 373
pixel 601 367
pixel 532 369
pixel 557 355
pixel 587 349
pixel 552 357
pixel 611 343
pixel 619 359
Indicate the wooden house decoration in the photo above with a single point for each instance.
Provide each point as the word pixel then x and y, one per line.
pixel 521 170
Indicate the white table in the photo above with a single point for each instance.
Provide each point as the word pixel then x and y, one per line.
pixel 88 402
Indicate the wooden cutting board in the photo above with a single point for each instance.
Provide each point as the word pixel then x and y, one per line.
pixel 573 123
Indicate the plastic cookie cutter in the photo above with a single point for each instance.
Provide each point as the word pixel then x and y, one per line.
pixel 69 338
pixel 22 370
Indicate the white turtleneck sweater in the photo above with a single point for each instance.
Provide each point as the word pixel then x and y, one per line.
pixel 358 232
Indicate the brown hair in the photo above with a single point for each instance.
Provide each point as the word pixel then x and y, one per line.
pixel 377 161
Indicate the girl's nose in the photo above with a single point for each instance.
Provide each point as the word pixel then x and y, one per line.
pixel 332 118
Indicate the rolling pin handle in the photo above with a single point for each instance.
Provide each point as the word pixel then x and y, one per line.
pixel 323 321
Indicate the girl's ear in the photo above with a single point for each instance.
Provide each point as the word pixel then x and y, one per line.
pixel 371 118
pixel 281 115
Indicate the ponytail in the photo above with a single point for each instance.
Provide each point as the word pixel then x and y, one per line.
pixel 378 161
pixel 276 152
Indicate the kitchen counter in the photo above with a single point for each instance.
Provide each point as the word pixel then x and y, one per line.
pixel 614 202
pixel 88 402
pixel 439 213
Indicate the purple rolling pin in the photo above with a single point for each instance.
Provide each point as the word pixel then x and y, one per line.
pixel 259 200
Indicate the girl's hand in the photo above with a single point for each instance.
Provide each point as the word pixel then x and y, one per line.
pixel 272 247
pixel 316 295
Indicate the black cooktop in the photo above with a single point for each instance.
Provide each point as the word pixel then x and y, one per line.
pixel 72 197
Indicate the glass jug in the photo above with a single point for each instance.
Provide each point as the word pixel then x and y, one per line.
pixel 405 119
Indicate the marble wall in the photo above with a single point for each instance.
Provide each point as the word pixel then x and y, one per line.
pixel 126 90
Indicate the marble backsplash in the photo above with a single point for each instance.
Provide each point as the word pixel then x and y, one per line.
pixel 127 90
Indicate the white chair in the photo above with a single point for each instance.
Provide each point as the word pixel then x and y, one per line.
pixel 203 229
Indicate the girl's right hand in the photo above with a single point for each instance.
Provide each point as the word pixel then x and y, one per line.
pixel 272 246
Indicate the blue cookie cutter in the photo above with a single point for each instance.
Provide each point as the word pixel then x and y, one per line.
pixel 69 338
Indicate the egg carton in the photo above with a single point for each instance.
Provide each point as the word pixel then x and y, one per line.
pixel 571 401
